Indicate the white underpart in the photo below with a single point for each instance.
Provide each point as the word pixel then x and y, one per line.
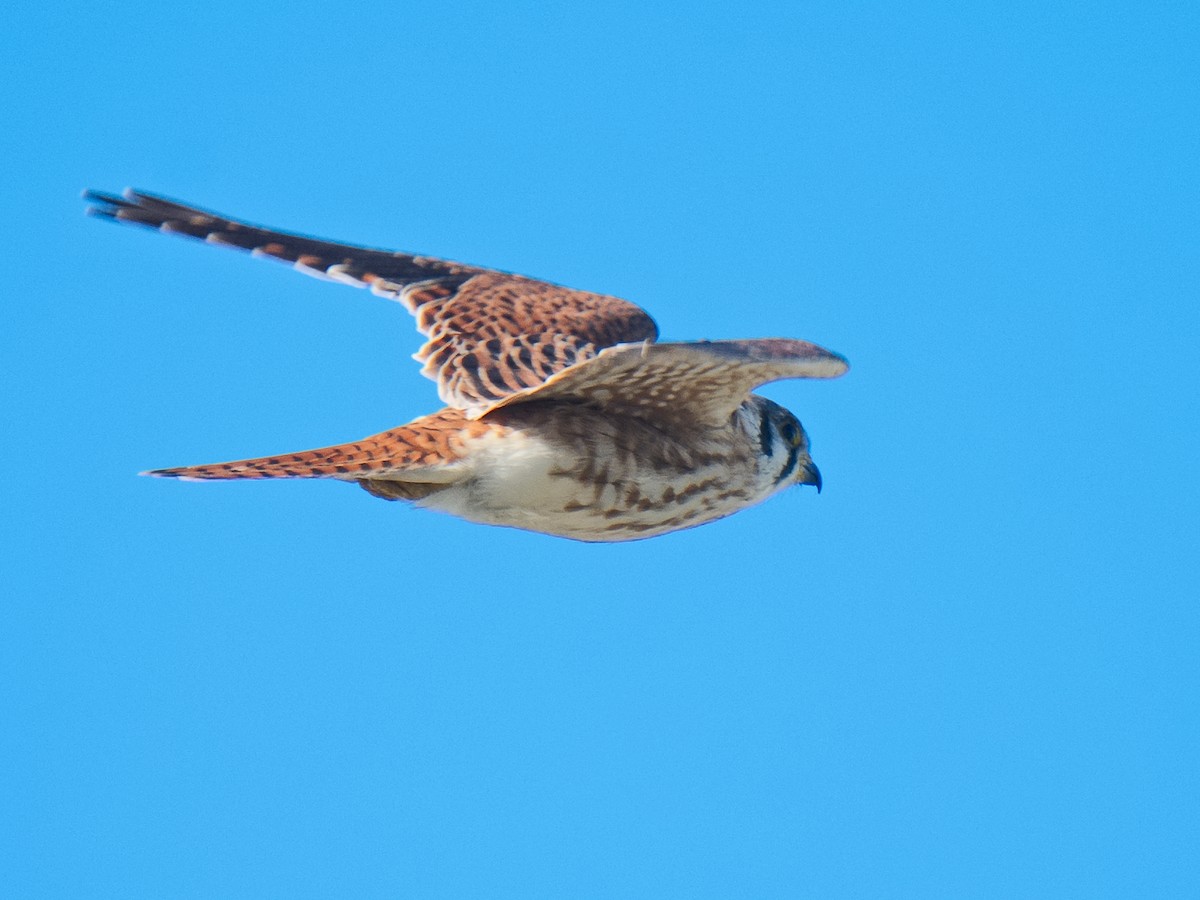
pixel 512 482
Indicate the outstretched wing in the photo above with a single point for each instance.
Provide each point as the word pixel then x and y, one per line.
pixel 699 382
pixel 490 334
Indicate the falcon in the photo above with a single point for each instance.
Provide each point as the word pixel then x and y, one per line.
pixel 563 415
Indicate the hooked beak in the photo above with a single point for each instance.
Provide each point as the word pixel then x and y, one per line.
pixel 809 474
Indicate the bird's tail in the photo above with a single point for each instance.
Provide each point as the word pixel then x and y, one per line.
pixel 362 459
pixel 424 450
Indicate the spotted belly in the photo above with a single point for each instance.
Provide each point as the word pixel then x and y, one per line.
pixel 574 473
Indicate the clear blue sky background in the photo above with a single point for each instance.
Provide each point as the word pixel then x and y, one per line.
pixel 969 668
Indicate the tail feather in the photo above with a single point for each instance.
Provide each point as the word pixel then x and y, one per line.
pixel 421 451
pixel 345 461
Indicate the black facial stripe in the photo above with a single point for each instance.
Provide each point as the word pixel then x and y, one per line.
pixel 764 436
pixel 793 458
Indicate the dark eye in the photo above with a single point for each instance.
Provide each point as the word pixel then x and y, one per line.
pixel 790 433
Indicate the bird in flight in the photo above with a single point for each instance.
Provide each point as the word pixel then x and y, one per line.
pixel 563 414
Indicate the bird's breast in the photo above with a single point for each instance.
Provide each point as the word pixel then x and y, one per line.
pixel 579 473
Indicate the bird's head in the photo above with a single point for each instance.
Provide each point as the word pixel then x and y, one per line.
pixel 782 446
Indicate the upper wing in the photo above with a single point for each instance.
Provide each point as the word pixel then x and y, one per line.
pixel 700 382
pixel 490 333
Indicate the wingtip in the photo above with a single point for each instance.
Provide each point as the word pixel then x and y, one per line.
pixel 824 363
pixel 831 364
pixel 105 205
pixel 105 197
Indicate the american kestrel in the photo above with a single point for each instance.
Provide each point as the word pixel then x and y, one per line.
pixel 563 415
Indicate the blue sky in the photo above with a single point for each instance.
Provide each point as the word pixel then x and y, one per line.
pixel 968 668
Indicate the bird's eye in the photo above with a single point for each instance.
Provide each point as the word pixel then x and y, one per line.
pixel 790 433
